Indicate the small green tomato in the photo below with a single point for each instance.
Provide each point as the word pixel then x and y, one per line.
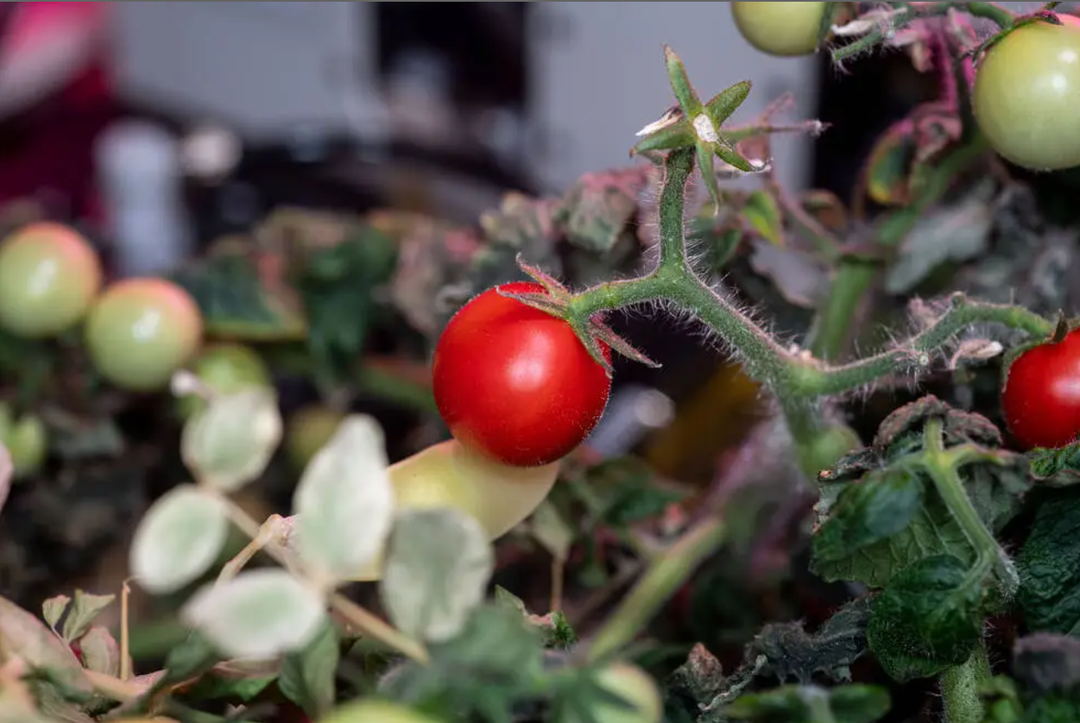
pixel 141 331
pixel 780 28
pixel 309 429
pixel 225 369
pixel 376 711
pixel 49 276
pixel 26 441
pixel 634 686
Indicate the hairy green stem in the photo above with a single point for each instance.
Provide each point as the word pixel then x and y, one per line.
pixel 677 169
pixel 667 572
pixel 961 688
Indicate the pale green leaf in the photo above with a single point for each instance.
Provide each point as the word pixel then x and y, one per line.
pixel 53 610
pixel 258 614
pixel 438 565
pixel 552 531
pixel 25 637
pixel 178 539
pixel 228 444
pixel 100 651
pixel 83 612
pixel 344 503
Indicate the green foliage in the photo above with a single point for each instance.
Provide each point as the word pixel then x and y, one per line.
pixel 811 704
pixel 1050 566
pixel 308 676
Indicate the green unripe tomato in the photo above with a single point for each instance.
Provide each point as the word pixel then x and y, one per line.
pixel 225 369
pixel 49 277
pixel 376 711
pixel 827 448
pixel 1027 95
pixel 141 331
pixel 307 431
pixel 28 444
pixel 634 686
pixel 780 28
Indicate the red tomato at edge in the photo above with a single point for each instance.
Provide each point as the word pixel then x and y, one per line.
pixel 515 383
pixel 1041 399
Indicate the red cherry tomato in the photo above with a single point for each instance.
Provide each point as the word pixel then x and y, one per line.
pixel 515 383
pixel 1041 399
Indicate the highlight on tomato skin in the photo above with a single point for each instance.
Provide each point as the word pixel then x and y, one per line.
pixel 1041 396
pixel 516 383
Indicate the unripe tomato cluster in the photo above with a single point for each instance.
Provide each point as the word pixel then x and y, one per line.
pixel 137 332
pixel 1026 98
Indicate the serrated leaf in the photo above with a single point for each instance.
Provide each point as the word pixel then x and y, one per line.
pixel 228 443
pixel 927 619
pixel 308 675
pixel 236 303
pixel 100 651
pixel 437 568
pixel 1049 565
pixel 258 614
pixel 178 539
pixel 1059 466
pixel 791 652
pixel 82 613
pixel 879 506
pixel 344 503
pixel 24 637
pixel 762 212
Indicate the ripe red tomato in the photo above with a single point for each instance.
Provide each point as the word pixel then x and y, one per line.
pixel 1041 399
pixel 515 383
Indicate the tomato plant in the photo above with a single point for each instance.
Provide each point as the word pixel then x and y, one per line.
pixel 780 28
pixel 140 331
pixel 49 276
pixel 1027 95
pixel 634 686
pixel 26 440
pixel 516 383
pixel 1041 397
pixel 224 368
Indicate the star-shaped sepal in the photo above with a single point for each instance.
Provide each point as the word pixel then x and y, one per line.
pixel 693 124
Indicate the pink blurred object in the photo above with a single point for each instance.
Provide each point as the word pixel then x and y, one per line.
pixel 55 97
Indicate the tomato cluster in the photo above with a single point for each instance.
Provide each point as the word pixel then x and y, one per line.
pixel 516 383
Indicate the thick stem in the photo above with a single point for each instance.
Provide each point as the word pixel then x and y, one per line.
pixel 665 575
pixel 677 168
pixel 961 688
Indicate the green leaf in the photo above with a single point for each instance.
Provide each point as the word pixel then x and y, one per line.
pixel 100 651
pixel 53 610
pixel 493 663
pixel 551 530
pixel 236 303
pixel 600 207
pixel 437 569
pixel 762 212
pixel 1049 565
pixel 188 660
pixel 1060 466
pixel 879 506
pixel 308 676
pixel 258 614
pixel 178 539
pixel 791 652
pixel 887 167
pixel 372 710
pixel 811 704
pixel 83 612
pixel 338 286
pixel 344 503
pixel 228 443
pixel 234 685
pixel 24 637
pixel 929 618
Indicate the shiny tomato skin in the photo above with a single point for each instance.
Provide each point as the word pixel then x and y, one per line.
pixel 515 383
pixel 1041 399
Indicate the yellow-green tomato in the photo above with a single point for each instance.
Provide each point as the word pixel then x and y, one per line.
pixel 635 687
pixel 49 277
pixel 225 369
pixel 308 430
pixel 27 442
pixel 1027 95
pixel 376 711
pixel 780 28
pixel 449 474
pixel 141 331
